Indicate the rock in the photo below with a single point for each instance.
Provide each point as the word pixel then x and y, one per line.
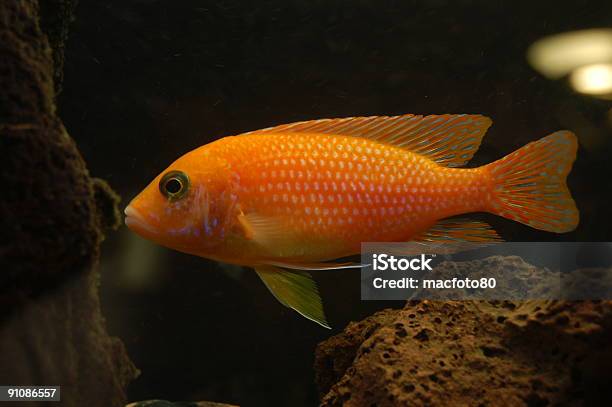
pixel 483 353
pixel 518 280
pixel 165 403
pixel 53 218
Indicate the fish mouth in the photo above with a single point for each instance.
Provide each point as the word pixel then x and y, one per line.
pixel 136 221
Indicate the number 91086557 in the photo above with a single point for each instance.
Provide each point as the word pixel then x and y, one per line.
pixel 29 393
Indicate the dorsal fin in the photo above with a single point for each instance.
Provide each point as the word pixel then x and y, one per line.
pixel 448 139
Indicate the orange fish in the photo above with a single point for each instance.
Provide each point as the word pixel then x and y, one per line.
pixel 293 197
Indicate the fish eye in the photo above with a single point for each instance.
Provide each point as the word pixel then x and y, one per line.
pixel 174 185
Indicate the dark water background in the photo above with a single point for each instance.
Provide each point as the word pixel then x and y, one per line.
pixel 146 81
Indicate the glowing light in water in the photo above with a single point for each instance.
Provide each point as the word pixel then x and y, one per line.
pixel 558 55
pixel 593 79
pixel 583 56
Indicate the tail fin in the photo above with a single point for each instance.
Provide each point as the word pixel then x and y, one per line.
pixel 529 184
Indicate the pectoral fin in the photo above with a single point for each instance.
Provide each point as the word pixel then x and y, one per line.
pixel 294 289
pixel 269 232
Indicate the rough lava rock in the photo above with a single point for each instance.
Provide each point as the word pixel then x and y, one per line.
pixel 518 280
pixel 165 403
pixel 480 353
pixel 53 216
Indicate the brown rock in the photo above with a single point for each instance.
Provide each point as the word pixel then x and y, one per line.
pixel 53 215
pixel 164 403
pixel 531 353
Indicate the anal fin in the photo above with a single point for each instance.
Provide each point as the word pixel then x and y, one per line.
pixel 450 236
pixel 460 230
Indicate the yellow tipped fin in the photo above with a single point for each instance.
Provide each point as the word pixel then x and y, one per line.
pixel 296 290
pixel 449 139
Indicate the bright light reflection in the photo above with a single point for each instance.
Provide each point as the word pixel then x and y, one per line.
pixel 558 55
pixel 593 79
